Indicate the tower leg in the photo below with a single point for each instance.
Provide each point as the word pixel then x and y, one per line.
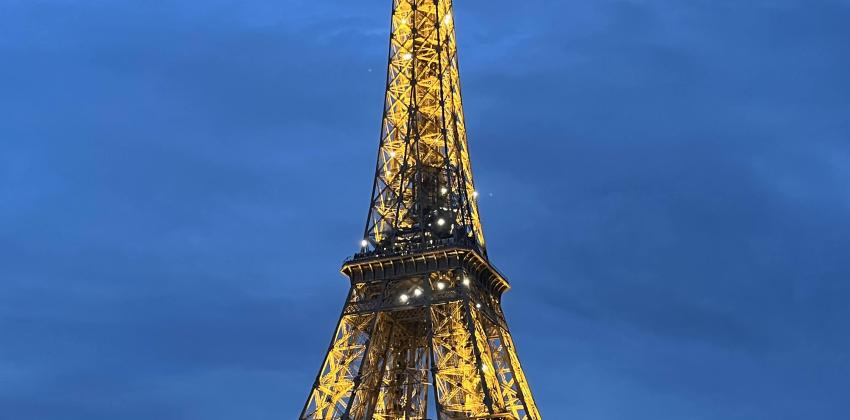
pixel 331 393
pixel 519 382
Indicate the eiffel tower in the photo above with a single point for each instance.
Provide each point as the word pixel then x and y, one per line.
pixel 424 309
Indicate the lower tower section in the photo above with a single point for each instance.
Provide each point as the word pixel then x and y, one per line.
pixel 417 329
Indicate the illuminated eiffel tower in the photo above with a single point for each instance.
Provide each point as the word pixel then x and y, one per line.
pixel 424 311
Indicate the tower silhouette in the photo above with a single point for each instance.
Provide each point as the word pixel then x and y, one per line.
pixel 423 314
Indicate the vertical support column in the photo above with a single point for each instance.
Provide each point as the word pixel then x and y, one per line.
pixel 366 365
pixel 375 346
pixel 371 399
pixel 479 363
pixel 488 367
pixel 429 290
pixel 459 387
pixel 332 390
pixel 313 397
pixel 509 387
pixel 519 376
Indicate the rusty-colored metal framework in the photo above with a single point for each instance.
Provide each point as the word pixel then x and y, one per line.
pixel 424 310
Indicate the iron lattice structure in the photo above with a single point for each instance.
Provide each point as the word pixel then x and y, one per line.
pixel 424 310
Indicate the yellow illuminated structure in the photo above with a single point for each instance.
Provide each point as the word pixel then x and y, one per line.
pixel 423 319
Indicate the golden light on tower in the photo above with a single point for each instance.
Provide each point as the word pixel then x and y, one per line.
pixel 424 310
pixel 423 135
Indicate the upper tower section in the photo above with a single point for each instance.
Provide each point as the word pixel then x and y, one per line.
pixel 423 195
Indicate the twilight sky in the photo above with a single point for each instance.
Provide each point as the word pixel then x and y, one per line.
pixel 665 182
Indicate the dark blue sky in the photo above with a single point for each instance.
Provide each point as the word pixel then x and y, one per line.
pixel 665 182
